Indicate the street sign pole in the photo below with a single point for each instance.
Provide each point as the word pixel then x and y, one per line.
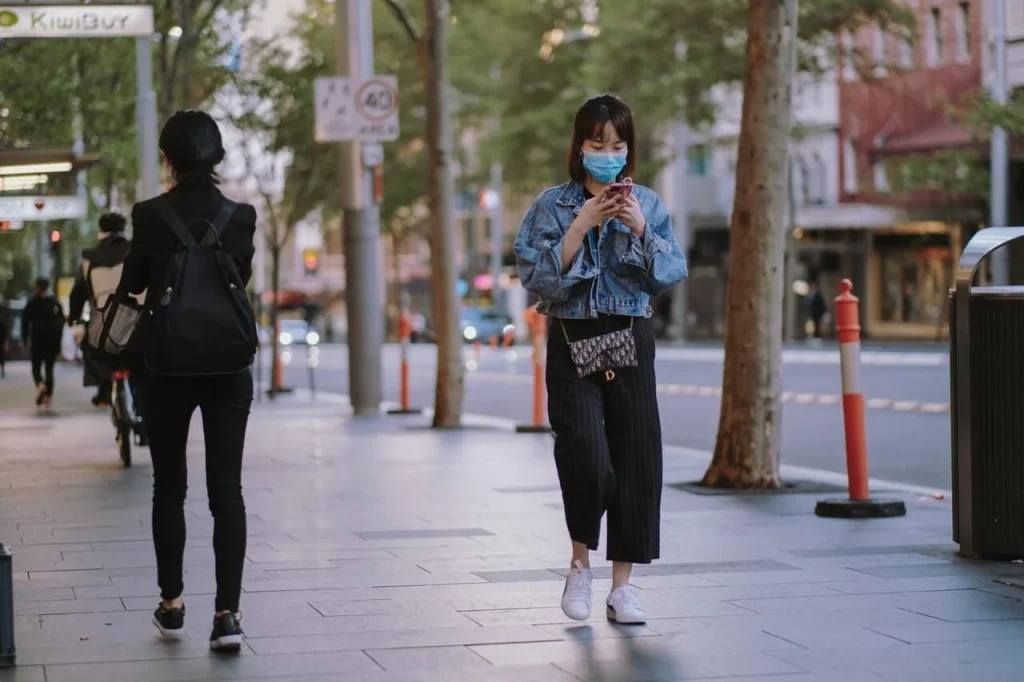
pixel 149 164
pixel 363 275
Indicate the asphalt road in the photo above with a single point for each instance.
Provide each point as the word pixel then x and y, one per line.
pixel 908 424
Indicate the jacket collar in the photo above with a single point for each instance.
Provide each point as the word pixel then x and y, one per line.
pixel 572 196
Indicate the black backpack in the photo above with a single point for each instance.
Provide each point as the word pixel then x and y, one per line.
pixel 51 322
pixel 202 322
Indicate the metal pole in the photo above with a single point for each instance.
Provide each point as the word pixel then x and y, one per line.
pixel 1000 265
pixel 681 223
pixel 149 162
pixel 497 235
pixel 363 293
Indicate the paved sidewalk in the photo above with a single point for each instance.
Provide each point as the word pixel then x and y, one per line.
pixel 380 551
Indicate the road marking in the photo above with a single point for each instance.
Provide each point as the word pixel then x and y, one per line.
pixel 785 397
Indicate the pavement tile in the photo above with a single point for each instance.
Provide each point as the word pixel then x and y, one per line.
pixel 210 667
pixel 25 591
pixel 421 534
pixel 519 673
pixel 23 673
pixel 967 631
pixel 31 608
pixel 334 639
pixel 427 658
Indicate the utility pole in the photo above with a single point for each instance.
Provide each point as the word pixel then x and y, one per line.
pixel 497 209
pixel 1000 267
pixel 145 113
pixel 363 292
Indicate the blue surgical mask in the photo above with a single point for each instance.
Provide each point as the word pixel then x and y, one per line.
pixel 604 167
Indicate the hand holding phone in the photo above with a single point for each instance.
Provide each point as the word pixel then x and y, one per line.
pixel 623 189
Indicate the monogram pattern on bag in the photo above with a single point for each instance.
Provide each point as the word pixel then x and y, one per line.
pixel 604 352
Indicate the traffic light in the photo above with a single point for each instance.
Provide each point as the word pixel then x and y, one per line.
pixel 55 237
pixel 311 261
pixel 5 225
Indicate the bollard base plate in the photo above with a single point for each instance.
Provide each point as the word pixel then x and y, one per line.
pixel 533 428
pixel 406 410
pixel 840 508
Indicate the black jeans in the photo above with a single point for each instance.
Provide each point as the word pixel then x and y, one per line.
pixel 607 442
pixel 42 368
pixel 224 402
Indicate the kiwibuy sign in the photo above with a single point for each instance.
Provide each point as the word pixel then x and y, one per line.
pixel 75 21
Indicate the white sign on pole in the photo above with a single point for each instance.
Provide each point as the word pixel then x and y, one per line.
pixel 42 208
pixel 75 21
pixel 357 109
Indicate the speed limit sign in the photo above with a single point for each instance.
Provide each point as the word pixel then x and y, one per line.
pixel 357 109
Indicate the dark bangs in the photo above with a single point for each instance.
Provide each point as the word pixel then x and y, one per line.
pixel 589 124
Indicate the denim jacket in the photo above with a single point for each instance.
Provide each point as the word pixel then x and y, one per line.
pixel 613 273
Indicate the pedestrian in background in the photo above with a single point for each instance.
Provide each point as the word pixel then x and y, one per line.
pixel 194 226
pixel 594 250
pixel 42 327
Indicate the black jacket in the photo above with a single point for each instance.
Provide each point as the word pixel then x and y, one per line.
pixel 154 243
pixel 36 324
pixel 105 259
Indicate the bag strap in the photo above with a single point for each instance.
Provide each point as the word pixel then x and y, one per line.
pixel 174 221
pixel 565 331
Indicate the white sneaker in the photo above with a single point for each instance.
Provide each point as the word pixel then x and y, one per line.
pixel 577 597
pixel 624 607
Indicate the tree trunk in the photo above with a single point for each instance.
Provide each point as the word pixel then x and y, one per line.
pixel 275 333
pixel 747 448
pixel 450 370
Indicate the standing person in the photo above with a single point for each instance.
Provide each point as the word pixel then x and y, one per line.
pixel 42 327
pixel 195 247
pixel 817 308
pixel 595 250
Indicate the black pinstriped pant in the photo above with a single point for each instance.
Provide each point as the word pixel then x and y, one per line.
pixel 607 442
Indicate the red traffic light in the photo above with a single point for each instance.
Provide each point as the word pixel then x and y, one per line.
pixel 55 236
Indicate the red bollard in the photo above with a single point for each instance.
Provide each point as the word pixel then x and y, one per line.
pixel 538 323
pixel 405 335
pixel 859 504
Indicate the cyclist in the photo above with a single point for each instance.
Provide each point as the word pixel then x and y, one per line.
pixel 96 279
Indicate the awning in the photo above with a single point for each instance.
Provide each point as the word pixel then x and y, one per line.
pixel 849 216
pixel 31 156
pixel 939 136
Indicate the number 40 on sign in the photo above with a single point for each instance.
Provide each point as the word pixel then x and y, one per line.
pixel 363 109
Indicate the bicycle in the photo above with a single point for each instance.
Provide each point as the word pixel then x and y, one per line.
pixel 123 413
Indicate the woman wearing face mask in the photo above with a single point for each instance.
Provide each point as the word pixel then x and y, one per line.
pixel 595 249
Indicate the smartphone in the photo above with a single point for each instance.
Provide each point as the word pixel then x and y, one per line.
pixel 623 188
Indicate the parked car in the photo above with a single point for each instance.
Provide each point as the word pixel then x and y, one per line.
pixel 484 324
pixel 297 333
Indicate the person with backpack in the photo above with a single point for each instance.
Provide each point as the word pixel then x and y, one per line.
pixel 192 252
pixel 42 327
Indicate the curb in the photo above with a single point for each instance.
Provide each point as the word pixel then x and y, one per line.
pixel 786 470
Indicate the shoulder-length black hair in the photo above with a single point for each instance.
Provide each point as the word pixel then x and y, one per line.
pixel 589 124
pixel 192 145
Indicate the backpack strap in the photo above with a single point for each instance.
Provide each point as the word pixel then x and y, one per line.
pixel 174 221
pixel 227 209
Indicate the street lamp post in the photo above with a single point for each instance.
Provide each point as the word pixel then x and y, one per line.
pixel 1000 267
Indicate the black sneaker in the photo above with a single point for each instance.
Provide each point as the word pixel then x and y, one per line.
pixel 227 633
pixel 170 622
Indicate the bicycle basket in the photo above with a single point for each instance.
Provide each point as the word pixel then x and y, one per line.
pixel 112 328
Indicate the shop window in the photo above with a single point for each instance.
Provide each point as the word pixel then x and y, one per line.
pixel 915 282
pixel 935 37
pixel 879 56
pixel 906 50
pixel 698 160
pixel 963 33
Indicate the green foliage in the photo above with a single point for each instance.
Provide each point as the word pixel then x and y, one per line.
pixel 511 75
pixel 41 79
pixel 16 266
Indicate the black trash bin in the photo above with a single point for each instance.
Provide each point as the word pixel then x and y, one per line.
pixel 987 400
pixel 6 608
